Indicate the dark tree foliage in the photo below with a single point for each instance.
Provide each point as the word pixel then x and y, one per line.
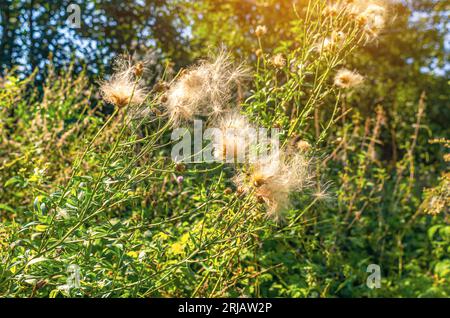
pixel 35 32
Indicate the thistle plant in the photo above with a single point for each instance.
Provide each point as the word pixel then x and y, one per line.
pixel 133 164
pixel 100 192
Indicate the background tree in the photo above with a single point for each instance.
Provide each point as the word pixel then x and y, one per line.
pixel 35 32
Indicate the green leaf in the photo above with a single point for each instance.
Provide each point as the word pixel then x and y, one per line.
pixel 37 260
pixel 432 230
pixel 54 293
pixel 6 208
pixel 12 180
pixel 41 227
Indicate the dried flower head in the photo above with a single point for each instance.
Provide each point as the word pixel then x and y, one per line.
pixel 273 178
pixel 260 30
pixel 372 20
pixel 123 87
pixel 278 60
pixel 233 142
pixel 203 89
pixel 138 69
pixel 303 146
pixel 347 79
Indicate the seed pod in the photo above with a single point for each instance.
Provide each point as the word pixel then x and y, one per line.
pixel 161 86
pixel 139 69
pixel 180 167
pixel 163 98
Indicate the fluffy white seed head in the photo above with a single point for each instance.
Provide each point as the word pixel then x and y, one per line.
pixel 204 89
pixel 347 79
pixel 123 87
pixel 273 178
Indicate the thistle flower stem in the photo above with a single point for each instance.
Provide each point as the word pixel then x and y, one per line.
pixel 80 160
pixel 74 172
pixel 109 156
pixel 324 132
pixel 298 217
